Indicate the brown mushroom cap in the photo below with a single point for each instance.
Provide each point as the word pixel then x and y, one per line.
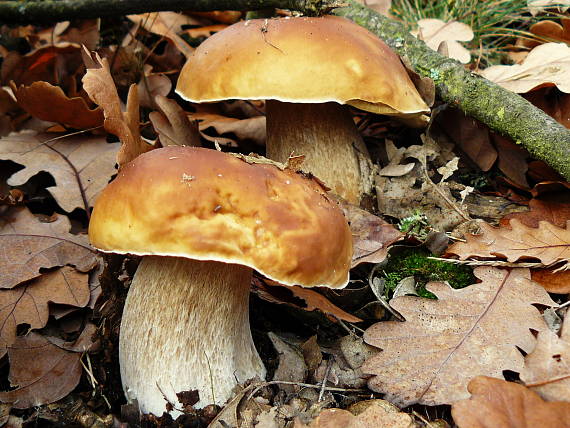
pixel 300 60
pixel 207 205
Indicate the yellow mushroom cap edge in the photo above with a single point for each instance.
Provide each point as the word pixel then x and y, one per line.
pixel 301 60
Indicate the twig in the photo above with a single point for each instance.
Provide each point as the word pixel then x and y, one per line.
pixel 325 378
pixel 497 263
pixel 45 11
pixel 304 385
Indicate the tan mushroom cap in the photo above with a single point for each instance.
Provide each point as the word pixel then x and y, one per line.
pixel 206 205
pixel 300 60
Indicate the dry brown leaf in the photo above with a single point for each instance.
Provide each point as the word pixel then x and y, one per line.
pixel 52 64
pixel 99 85
pixel 81 165
pixel 28 303
pixel 435 33
pixel 166 24
pixel 547 367
pixel 366 414
pixel 545 65
pixel 29 245
pixel 495 403
pixel 430 358
pixel 206 31
pixel 537 6
pixel 371 236
pixel 553 282
pixel 471 136
pixel 172 124
pixel 551 205
pixel 48 102
pixel 152 85
pixel 548 243
pixel 8 111
pixel 42 371
pixel 252 128
pixel 312 299
pixel 380 6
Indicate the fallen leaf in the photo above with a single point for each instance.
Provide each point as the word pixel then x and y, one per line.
pixel 8 111
pixel 98 83
pixel 365 414
pixel 81 165
pixel 547 367
pixel 224 16
pixel 371 236
pixel 553 282
pixel 48 102
pixel 553 102
pixel 548 243
pixel 291 367
pixel 52 64
pixel 552 206
pixel 205 31
pixel 471 136
pixel 537 6
pixel 512 160
pixel 166 24
pixel 496 403
pixel 42 372
pixel 545 65
pixel 28 303
pixel 380 6
pixel 435 32
pixel 252 128
pixel 30 245
pixel 172 124
pixel 152 85
pixel 477 330
pixel 313 299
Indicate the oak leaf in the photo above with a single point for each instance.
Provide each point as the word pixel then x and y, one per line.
pixel 548 243
pixel 81 165
pixel 28 303
pixel 545 65
pixel 547 367
pixel 552 280
pixel 364 414
pixel 252 128
pixel 43 372
pixel 431 357
pixel 29 245
pixel 444 37
pixel 496 403
pixel 167 24
pixel 99 85
pixel 48 102
pixel 371 235
pixel 172 124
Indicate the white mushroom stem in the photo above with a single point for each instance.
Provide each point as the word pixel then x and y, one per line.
pixel 326 134
pixel 185 326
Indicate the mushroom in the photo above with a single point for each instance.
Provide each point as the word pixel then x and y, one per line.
pixel 306 68
pixel 203 220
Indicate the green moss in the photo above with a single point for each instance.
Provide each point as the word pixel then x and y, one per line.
pixel 414 262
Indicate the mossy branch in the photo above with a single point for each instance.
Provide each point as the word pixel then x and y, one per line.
pixel 47 11
pixel 503 111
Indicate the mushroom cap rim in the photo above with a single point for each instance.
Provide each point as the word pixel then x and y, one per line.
pixel 222 260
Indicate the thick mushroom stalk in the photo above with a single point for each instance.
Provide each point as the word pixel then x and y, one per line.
pixel 186 326
pixel 327 136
